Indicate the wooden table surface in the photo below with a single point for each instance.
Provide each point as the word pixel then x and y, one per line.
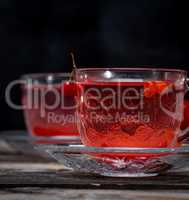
pixel 25 174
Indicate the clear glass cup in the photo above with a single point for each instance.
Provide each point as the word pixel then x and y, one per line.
pixel 130 107
pixel 49 105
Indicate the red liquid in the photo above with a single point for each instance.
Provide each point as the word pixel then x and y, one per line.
pixel 48 113
pixel 145 125
pixel 185 122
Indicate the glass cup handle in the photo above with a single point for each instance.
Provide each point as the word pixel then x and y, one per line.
pixel 185 133
pixel 187 84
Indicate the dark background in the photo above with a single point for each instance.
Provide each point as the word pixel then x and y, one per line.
pixel 37 36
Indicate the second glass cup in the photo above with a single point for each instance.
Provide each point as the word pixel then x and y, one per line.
pixel 49 105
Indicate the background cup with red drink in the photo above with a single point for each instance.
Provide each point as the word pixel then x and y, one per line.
pixel 49 105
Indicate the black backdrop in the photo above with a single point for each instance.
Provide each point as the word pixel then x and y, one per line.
pixel 36 36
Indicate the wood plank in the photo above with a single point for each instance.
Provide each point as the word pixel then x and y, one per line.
pixel 66 179
pixel 72 194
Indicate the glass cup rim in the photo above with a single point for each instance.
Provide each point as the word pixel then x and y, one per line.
pixel 78 148
pixel 127 69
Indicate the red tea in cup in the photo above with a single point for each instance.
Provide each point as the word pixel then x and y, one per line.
pixel 185 122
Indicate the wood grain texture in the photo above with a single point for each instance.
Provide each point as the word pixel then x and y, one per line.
pixel 72 194
pixel 63 178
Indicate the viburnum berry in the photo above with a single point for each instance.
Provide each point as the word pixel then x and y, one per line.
pixel 128 126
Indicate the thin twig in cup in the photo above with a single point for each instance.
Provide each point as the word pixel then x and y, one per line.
pixel 72 75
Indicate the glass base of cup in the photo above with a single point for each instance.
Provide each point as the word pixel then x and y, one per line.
pixel 129 175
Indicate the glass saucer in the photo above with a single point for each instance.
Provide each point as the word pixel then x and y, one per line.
pixel 22 135
pixel 21 141
pixel 118 161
